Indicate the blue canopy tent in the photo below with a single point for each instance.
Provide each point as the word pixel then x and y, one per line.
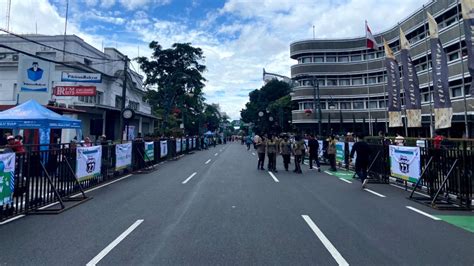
pixel 32 115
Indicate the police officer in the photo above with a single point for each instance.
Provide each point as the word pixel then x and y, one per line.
pixel 285 151
pixel 271 152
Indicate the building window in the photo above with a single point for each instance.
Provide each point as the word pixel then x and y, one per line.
pixel 344 82
pixel 456 92
pixel 380 79
pixel 323 105
pixel 322 82
pixel 358 105
pixel 133 105
pixel 345 105
pixel 426 97
pixel 319 59
pixel 308 105
pixel 382 104
pixel 369 56
pixel 332 82
pixel 97 99
pixel 330 59
pixel 357 81
pixel 373 104
pixel 356 58
pixel 467 89
pixel 306 82
pixel 118 101
pixel 343 58
pixel 381 54
pixel 306 60
pixel 372 80
pixel 453 56
pixel 87 62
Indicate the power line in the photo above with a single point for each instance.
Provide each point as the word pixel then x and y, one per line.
pixel 52 47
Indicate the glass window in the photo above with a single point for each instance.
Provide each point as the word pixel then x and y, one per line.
pixel 308 105
pixel 322 82
pixel 380 54
pixel 357 81
pixel 426 97
pixel 306 82
pixel 369 56
pixel 344 82
pixel 356 57
pixel 332 82
pixel 373 104
pixel 453 56
pixel 382 104
pixel 319 59
pixel 456 92
pixel 345 105
pixel 306 60
pixel 323 105
pixel 118 101
pixel 467 89
pixel 358 105
pixel 330 58
pixel 343 58
pixel 372 80
pixel 380 79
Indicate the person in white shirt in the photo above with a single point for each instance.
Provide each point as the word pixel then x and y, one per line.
pixel 399 140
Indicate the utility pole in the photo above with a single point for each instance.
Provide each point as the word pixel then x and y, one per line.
pixel 124 95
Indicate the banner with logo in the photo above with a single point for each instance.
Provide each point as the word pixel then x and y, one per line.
pixel 34 74
pixel 405 162
pixel 441 100
pixel 184 142
pixel 7 177
pixel 410 84
pixel 467 7
pixel 149 151
pixel 340 153
pixel 393 88
pixel 351 144
pixel 81 77
pixel 178 145
pixel 123 154
pixel 320 150
pixel 88 162
pixel 163 148
pixel 194 143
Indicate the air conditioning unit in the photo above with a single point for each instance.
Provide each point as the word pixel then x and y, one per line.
pixel 15 57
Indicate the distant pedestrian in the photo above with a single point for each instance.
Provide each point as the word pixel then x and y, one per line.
pixel 313 146
pixel 261 147
pixel 285 151
pixel 248 142
pixel 271 152
pixel 399 140
pixel 298 149
pixel 332 152
pixel 363 159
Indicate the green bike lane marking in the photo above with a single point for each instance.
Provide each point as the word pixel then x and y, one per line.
pixel 348 175
pixel 462 221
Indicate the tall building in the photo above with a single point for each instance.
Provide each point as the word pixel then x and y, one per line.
pixel 352 79
pixel 100 113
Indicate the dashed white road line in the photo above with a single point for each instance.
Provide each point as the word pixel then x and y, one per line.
pixel 274 177
pixel 208 161
pixel 375 193
pixel 253 153
pixel 189 178
pixel 216 154
pixel 114 243
pixel 423 213
pixel 345 180
pixel 327 244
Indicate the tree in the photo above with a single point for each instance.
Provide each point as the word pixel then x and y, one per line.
pixel 174 81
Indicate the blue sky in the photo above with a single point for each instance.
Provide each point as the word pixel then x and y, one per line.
pixel 239 37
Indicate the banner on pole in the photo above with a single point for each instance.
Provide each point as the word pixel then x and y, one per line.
pixel 7 177
pixel 410 84
pixel 178 145
pixel 320 150
pixel 184 143
pixel 467 7
pixel 405 162
pixel 88 162
pixel 149 151
pixel 163 148
pixel 340 153
pixel 441 100
pixel 123 154
pixel 393 88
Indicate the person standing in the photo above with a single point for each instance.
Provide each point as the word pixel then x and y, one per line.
pixel 248 142
pixel 298 149
pixel 261 147
pixel 332 152
pixel 285 151
pixel 271 152
pixel 362 161
pixel 399 140
pixel 313 146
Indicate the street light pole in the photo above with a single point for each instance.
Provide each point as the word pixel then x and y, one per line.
pixel 316 90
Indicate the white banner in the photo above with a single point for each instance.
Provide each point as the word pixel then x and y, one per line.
pixel 185 146
pixel 405 162
pixel 320 150
pixel 149 151
pixel 355 153
pixel 123 153
pixel 178 145
pixel 163 148
pixel 88 162
pixel 81 77
pixel 7 177
pixel 33 74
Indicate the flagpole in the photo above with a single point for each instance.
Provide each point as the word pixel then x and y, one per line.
pixel 65 30
pixel 367 82
pixel 405 124
pixel 428 72
pixel 466 127
pixel 384 96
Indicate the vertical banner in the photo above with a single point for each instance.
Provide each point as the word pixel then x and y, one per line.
pixel 149 151
pixel 442 102
pixel 194 143
pixel 351 144
pixel 320 150
pixel 163 148
pixel 467 7
pixel 405 162
pixel 340 153
pixel 393 88
pixel 123 154
pixel 410 84
pixel 7 177
pixel 88 162
pixel 184 143
pixel 178 145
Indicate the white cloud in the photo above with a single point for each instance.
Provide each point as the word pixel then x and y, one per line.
pixel 142 4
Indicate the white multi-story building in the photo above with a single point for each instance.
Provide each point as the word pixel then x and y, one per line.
pixel 100 114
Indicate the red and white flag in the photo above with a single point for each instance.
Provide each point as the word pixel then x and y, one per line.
pixel 371 42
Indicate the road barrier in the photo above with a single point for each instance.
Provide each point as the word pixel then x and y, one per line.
pixel 44 175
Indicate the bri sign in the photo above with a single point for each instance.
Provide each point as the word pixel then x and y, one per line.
pixel 75 91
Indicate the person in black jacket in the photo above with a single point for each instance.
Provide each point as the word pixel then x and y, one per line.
pixel 362 161
pixel 313 146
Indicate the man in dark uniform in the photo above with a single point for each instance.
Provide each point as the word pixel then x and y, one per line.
pixel 362 160
pixel 313 146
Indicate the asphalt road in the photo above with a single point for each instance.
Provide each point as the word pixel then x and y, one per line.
pixel 215 207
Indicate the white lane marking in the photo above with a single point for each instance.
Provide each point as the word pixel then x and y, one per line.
pixel 208 161
pixel 12 219
pixel 114 243
pixel 423 213
pixel 347 181
pixel 253 153
pixel 189 178
pixel 274 177
pixel 329 246
pixel 375 193
pixel 329 173
pixel 216 154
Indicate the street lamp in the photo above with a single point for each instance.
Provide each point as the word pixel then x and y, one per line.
pixel 315 84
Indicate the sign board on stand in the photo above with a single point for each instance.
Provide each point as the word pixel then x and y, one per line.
pixel 405 162
pixel 88 162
